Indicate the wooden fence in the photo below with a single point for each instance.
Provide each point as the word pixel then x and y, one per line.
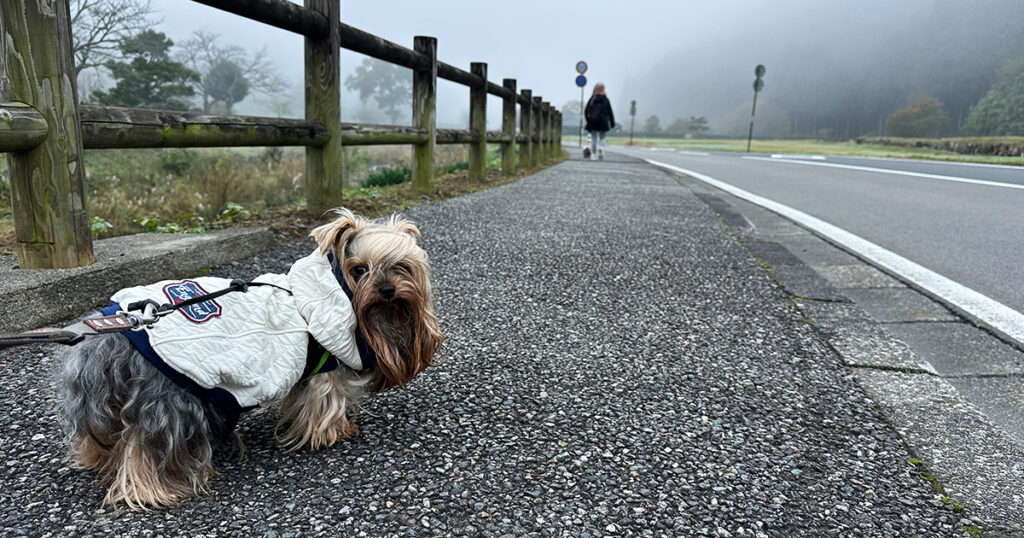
pixel 44 129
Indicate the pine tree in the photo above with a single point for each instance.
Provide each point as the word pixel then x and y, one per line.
pixel 146 76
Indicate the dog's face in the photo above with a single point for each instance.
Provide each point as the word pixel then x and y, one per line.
pixel 389 276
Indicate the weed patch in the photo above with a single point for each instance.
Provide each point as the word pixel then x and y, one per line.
pixel 197 190
pixel 387 176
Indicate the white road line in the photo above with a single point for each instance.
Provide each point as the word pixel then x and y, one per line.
pixel 697 153
pixel 891 171
pixel 997 315
pixel 797 156
pixel 931 161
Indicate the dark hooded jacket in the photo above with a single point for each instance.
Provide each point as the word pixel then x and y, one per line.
pixel 599 114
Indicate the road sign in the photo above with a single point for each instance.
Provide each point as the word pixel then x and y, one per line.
pixel 581 81
pixel 632 107
pixel 759 70
pixel 758 85
pixel 581 67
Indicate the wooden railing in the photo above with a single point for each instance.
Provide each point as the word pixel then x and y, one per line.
pixel 44 129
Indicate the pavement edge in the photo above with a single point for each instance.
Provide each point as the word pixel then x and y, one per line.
pixel 34 298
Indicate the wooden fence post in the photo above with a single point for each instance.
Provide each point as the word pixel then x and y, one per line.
pixel 561 131
pixel 548 115
pixel 323 104
pixel 508 128
pixel 47 182
pixel 543 131
pixel 537 155
pixel 555 133
pixel 424 114
pixel 561 126
pixel 478 123
pixel 526 129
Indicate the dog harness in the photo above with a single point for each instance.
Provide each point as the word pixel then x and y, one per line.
pixel 242 350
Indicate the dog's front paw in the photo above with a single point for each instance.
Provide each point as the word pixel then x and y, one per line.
pixel 320 411
pixel 318 434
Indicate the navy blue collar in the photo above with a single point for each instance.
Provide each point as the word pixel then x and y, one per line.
pixel 366 355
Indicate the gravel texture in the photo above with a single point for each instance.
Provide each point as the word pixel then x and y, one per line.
pixel 616 364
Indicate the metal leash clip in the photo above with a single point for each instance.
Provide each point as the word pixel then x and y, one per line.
pixel 150 314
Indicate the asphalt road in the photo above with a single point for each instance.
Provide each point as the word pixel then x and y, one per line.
pixel 969 232
pixel 616 365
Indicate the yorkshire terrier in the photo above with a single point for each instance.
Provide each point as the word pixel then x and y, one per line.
pixel 143 408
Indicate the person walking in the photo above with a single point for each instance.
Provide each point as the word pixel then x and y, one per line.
pixel 600 120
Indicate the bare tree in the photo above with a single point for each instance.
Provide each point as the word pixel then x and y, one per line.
pixel 204 54
pixel 388 84
pixel 98 26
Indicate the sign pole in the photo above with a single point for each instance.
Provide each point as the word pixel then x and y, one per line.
pixel 581 116
pixel 750 134
pixel 758 86
pixel 581 81
pixel 632 119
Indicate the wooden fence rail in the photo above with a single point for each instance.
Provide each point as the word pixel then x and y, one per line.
pixel 44 129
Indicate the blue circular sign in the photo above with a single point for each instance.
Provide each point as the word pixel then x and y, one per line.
pixel 581 81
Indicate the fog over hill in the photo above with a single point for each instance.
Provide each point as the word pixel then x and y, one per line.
pixel 834 69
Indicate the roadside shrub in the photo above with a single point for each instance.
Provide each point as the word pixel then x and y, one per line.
pixel 453 168
pixel 494 158
pixel 924 118
pixel 177 161
pixel 387 176
pixel 179 187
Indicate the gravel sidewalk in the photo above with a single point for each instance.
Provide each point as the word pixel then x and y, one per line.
pixel 616 364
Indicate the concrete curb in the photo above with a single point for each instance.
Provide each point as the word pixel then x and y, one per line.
pixel 35 297
pixel 974 459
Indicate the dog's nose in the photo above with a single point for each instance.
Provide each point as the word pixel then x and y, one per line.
pixel 387 290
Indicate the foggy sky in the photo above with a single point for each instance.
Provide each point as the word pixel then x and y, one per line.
pixel 538 42
pixel 676 57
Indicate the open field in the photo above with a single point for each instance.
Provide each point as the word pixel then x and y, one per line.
pixel 815 147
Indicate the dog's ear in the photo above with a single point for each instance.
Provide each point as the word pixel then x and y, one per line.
pixel 336 233
pixel 400 224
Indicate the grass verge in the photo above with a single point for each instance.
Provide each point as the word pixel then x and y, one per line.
pixel 192 191
pixel 816 147
pixel 293 222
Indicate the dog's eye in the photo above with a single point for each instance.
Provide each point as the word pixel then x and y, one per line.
pixel 359 271
pixel 403 268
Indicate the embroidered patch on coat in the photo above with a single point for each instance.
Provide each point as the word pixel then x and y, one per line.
pixel 179 292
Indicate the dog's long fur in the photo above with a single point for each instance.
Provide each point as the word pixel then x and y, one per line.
pixel 153 440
